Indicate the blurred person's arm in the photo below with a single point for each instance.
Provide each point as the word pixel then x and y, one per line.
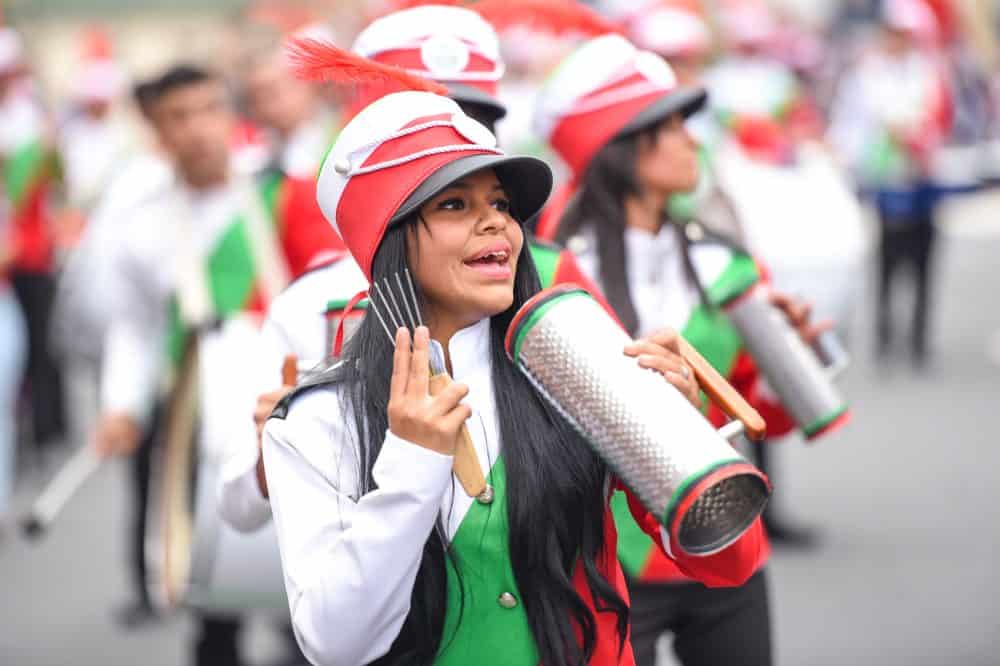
pixel 134 351
pixel 849 127
pixel 242 491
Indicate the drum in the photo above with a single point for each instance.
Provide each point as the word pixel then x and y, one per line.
pixel 803 221
pixel 193 557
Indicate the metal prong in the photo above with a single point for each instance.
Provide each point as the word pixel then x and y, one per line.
pixel 413 296
pixel 375 309
pixel 406 303
pixel 392 297
pixel 387 310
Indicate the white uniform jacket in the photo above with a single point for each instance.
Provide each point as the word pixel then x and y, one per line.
pixel 296 325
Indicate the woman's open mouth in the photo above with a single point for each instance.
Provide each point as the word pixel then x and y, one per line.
pixel 492 262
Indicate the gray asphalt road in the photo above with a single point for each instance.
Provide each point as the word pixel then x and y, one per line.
pixel 906 498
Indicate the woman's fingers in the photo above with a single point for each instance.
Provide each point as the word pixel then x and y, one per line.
pixel 448 398
pixel 665 366
pixel 677 374
pixel 811 332
pixel 797 311
pixel 453 420
pixel 667 338
pixel 646 346
pixel 400 364
pixel 420 372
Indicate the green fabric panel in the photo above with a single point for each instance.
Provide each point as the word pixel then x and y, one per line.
pixel 546 262
pixel 176 334
pixel 270 189
pixel 739 275
pixel 339 304
pixel 477 630
pixel 232 275
pixel 634 546
pixel 231 272
pixel 21 169
pixel 711 333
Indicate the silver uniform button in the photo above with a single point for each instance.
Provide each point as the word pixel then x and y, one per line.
pixel 507 600
pixel 485 497
pixel 694 232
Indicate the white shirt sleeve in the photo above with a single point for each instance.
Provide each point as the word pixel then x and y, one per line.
pixel 241 503
pixel 135 340
pixel 349 564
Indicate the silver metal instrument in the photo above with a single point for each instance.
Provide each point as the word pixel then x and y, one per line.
pixel 659 445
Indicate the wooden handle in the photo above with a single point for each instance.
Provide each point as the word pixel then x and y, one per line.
pixel 722 393
pixel 290 371
pixel 466 465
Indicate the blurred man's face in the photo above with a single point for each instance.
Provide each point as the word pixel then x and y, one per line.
pixel 688 68
pixel 276 98
pixel 97 109
pixel 194 123
pixel 897 42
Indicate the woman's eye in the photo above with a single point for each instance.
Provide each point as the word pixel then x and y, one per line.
pixel 502 205
pixel 452 204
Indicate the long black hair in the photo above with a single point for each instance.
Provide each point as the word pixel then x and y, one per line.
pixel 555 496
pixel 600 206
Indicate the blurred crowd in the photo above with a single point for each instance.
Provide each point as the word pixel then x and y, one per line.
pixel 885 106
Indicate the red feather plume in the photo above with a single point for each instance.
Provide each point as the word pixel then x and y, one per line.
pixel 555 16
pixel 315 60
pixel 399 5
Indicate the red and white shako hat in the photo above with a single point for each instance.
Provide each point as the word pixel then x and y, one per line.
pixel 402 150
pixel 605 89
pixel 99 78
pixel 670 29
pixel 452 45
pixel 911 16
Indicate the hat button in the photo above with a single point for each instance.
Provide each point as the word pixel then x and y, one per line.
pixel 694 232
pixel 342 166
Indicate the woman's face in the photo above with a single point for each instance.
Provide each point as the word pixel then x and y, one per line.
pixel 667 159
pixel 464 252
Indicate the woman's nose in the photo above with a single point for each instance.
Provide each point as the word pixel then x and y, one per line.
pixel 492 219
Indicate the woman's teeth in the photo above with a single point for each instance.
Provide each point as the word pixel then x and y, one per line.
pixel 493 257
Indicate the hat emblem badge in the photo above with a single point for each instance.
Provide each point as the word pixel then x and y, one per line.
pixel 445 56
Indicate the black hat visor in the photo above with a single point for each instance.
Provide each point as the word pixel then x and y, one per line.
pixel 527 181
pixel 685 101
pixel 466 94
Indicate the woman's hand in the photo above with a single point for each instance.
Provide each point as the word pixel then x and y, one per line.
pixel 431 422
pixel 799 314
pixel 661 352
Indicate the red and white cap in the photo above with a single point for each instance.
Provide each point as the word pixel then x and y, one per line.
pixel 402 150
pixel 11 50
pixel 452 45
pixel 911 16
pixel 605 89
pixel 99 78
pixel 670 29
pixel 748 23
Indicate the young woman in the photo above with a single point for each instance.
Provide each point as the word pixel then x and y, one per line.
pixel 623 135
pixel 385 558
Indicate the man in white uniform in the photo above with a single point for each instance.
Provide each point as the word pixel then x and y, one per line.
pixel 204 253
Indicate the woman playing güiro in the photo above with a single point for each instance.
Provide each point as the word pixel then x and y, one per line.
pixel 386 558
pixel 616 115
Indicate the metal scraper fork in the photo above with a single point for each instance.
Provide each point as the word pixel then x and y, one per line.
pixel 394 303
